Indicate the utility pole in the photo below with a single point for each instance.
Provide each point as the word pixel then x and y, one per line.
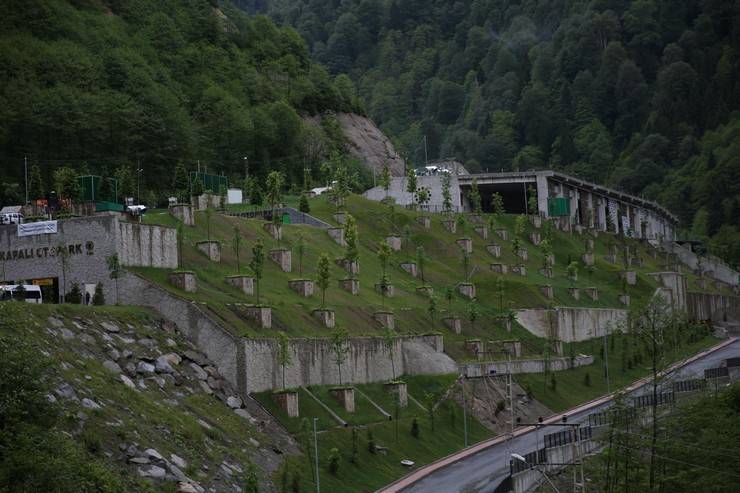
pixel 606 360
pixel 426 156
pixel 25 172
pixel 465 411
pixel 316 455
pixel 509 390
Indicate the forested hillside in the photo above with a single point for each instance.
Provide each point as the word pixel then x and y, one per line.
pixel 641 95
pixel 122 84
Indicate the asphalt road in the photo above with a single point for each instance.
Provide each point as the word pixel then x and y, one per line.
pixel 484 471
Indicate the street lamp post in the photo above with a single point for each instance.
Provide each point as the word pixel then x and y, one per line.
pixel 316 455
pixel 138 186
pixel 534 466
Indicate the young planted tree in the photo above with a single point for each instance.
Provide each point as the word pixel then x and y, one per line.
pixel 303 204
pixel 351 252
pixel 411 184
pixel 389 341
pixel 546 248
pixel 384 254
pixel 423 195
pixel 461 223
pixel 283 357
pixel 341 186
pixel 236 244
pixel 114 270
pixel 180 185
pixel 340 347
pixel 257 265
pixel 407 241
pixel 180 241
pixel 209 215
pixel 497 203
pixel 501 289
pixel 432 307
pixel 465 261
pixel 385 178
pixel 474 197
pixel 274 183
pixel 449 296
pixel 446 194
pixel 532 205
pixel 420 262
pixel 300 246
pixel 323 274
pixel 519 228
pixel 472 313
pixel 572 271
pixel 222 197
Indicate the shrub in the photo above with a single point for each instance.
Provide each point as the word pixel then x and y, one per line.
pixel 500 406
pixel 553 383
pixel 587 379
pixel 295 485
pixel 415 432
pixel 334 459
pixel 75 295
pixel 303 205
pixel 98 297
pixel 251 484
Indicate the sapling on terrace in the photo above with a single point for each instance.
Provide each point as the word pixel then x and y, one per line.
pixel 385 178
pixel 384 253
pixel 411 183
pixel 465 260
pixel 236 244
pixel 300 246
pixel 283 357
pixel 497 203
pixel 420 261
pixel 340 348
pixel 432 307
pixel 446 195
pixel 474 197
pixel 351 253
pixel 532 206
pixel 323 274
pixel 257 265
pixel 572 270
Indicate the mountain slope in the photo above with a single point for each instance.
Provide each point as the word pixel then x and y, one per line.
pixel 637 94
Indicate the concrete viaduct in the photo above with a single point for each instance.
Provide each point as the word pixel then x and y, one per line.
pixel 570 201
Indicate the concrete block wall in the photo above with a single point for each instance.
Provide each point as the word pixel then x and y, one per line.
pixel 721 271
pixel 715 307
pixel 144 245
pixel 522 366
pixel 368 360
pixel 571 324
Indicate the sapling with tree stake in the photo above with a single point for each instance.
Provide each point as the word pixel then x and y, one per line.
pixel 449 295
pixel 546 248
pixel 236 244
pixel 432 307
pixel 300 246
pixel 465 261
pixel 497 203
pixel 384 253
pixel 385 179
pixel 283 357
pixel 351 252
pixel 460 222
pixel 532 205
pixel 209 214
pixel 323 274
pixel 423 195
pixel 411 184
pixel 474 197
pixel 472 313
pixel 572 270
pixel 420 261
pixel 340 348
pixel 257 264
pixel 446 194
pixel 389 341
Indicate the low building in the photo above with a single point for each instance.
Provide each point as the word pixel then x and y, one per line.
pixel 57 254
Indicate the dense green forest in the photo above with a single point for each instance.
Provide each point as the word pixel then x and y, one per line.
pixel 641 95
pixel 121 84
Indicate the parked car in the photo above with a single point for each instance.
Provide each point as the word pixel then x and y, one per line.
pixel 11 218
pixel 136 209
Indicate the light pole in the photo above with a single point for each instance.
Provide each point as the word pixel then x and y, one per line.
pixel 534 466
pixel 138 186
pixel 316 455
pixel 25 173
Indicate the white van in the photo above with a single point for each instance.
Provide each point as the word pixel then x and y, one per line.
pixel 29 293
pixel 11 218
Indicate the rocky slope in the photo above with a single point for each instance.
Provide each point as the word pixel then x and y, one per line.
pixel 152 406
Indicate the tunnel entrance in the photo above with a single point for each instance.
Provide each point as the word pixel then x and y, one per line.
pixel 514 195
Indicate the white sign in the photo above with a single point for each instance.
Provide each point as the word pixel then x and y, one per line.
pixel 39 228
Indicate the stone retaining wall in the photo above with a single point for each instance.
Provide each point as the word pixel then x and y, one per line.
pixel 523 366
pixel 571 324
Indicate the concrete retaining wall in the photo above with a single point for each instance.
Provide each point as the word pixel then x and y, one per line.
pixel 714 307
pixel 398 191
pixel 368 360
pixel 147 246
pixel 720 270
pixel 523 366
pixel 571 324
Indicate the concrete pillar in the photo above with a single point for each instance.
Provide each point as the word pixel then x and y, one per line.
pixel 542 193
pixel 601 213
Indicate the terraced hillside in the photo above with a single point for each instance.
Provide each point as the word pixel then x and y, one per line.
pixel 443 271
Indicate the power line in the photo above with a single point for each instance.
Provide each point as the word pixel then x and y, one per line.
pixel 679 461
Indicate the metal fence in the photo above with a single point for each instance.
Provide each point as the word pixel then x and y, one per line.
pixel 720 372
pixel 648 400
pixel 532 459
pixel 566 436
pixel 609 416
pixel 689 385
